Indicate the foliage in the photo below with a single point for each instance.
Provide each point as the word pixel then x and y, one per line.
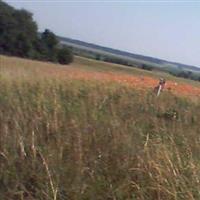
pixel 116 60
pixel 186 74
pixel 49 39
pixel 50 43
pixel 17 31
pixel 19 36
pixel 147 67
pixel 64 55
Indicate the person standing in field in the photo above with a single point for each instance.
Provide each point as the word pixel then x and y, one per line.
pixel 160 87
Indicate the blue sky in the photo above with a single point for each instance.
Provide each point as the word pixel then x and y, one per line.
pixel 164 29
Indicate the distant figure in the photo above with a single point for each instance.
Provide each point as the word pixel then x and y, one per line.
pixel 160 86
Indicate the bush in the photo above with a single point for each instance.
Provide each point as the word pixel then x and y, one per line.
pixel 19 37
pixel 147 67
pixel 64 56
pixel 18 31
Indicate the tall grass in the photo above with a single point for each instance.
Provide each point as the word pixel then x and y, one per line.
pixel 72 139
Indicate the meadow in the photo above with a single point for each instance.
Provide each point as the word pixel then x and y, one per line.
pixel 84 132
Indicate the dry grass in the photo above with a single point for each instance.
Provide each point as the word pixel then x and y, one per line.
pixel 67 138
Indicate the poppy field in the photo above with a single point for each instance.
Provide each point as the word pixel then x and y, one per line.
pixel 71 133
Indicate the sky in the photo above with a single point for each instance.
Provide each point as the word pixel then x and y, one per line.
pixel 163 29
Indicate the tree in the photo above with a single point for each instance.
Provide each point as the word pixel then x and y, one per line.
pixel 26 33
pixel 7 28
pixel 18 31
pixel 98 57
pixel 147 67
pixel 64 56
pixel 22 46
pixel 50 44
pixel 49 39
pixel 19 37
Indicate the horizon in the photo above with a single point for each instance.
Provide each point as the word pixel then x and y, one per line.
pixel 129 51
pixel 174 39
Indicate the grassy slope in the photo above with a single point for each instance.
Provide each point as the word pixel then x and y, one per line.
pixel 70 139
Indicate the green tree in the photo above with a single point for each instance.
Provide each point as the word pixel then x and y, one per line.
pixel 19 37
pixel 18 31
pixel 49 39
pixel 64 55
pixel 26 33
pixel 147 67
pixel 50 44
pixel 7 28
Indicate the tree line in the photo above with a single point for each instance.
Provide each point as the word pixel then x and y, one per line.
pixel 19 37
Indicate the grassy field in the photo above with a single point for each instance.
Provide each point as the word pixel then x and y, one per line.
pixel 65 137
pixel 92 65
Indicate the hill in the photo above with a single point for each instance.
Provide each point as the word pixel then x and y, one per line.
pixel 134 58
pixel 86 131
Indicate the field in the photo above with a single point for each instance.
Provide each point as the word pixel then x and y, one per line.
pixel 93 130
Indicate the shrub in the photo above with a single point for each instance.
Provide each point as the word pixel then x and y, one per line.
pixel 64 56
pixel 147 67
